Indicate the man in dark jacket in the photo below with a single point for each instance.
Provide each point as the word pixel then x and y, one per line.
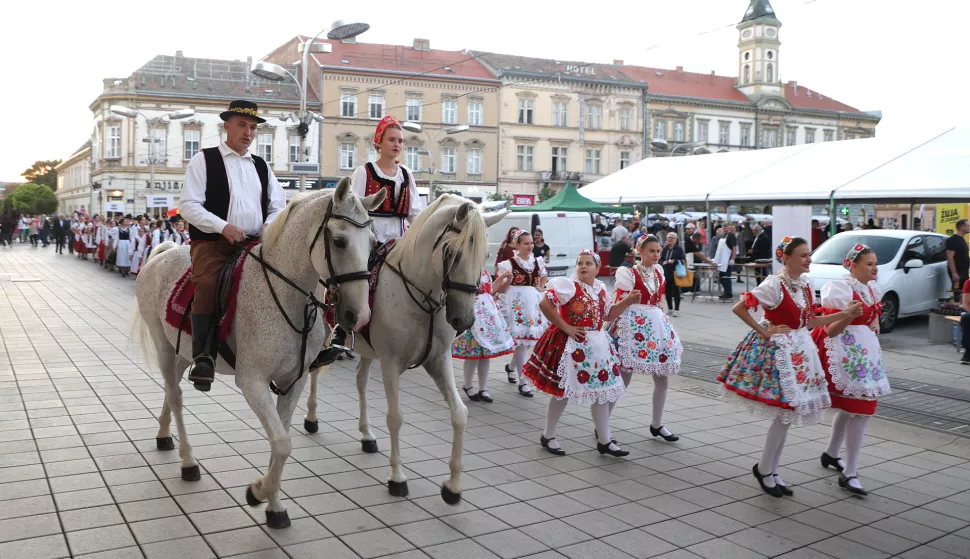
pixel 760 250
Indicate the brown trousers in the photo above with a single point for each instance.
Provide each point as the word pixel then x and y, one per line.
pixel 208 257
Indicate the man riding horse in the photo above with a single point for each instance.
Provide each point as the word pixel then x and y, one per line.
pixel 229 195
pixel 401 205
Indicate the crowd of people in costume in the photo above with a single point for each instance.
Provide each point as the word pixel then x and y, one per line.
pixel 119 243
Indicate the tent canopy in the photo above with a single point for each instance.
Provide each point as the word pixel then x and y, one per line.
pixel 570 200
pixel 935 169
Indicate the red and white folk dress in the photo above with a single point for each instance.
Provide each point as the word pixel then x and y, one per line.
pixel 853 360
pixel 584 372
pixel 401 205
pixel 520 302
pixel 646 340
pixel 490 336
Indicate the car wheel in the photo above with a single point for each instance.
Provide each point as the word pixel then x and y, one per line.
pixel 890 313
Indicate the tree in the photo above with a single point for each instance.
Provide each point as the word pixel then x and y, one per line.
pixel 43 173
pixel 33 199
pixel 546 193
pixel 499 197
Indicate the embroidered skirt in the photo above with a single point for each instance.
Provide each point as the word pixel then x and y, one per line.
pixel 853 368
pixel 646 341
pixel 585 372
pixel 489 337
pixel 123 254
pixel 521 308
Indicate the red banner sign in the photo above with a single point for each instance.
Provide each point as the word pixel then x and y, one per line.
pixel 523 199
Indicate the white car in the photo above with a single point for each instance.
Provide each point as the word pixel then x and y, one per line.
pixel 912 269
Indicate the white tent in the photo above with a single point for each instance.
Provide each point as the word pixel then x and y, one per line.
pixel 875 169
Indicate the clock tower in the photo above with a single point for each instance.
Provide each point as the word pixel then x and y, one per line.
pixel 758 59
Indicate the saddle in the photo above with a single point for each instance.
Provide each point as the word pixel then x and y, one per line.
pixel 374 264
pixel 180 301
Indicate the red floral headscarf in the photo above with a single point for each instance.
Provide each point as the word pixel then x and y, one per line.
pixel 382 127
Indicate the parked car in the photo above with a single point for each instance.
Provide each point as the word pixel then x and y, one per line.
pixel 566 233
pixel 912 269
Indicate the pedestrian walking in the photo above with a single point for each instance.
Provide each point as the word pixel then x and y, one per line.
pixel 488 338
pixel 33 225
pixel 123 248
pixel 506 249
pixel 958 255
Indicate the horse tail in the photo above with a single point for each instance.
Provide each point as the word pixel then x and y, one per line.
pixel 139 328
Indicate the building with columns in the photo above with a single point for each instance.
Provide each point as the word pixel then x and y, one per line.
pixel 74 181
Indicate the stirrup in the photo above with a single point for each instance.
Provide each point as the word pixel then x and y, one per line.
pixel 327 356
pixel 202 360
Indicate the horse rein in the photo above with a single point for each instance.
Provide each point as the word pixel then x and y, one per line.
pixel 313 304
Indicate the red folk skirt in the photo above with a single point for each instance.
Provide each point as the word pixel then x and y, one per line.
pixel 849 405
pixel 543 365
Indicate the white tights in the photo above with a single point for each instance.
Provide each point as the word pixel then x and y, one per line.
pixel 660 384
pixel 520 357
pixel 480 365
pixel 601 418
pixel 851 429
pixel 771 456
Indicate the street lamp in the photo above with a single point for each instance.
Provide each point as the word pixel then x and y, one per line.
pixel 153 156
pixel 661 144
pixel 416 127
pixel 338 31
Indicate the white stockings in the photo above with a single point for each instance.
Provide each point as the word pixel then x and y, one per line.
pixel 553 414
pixel 520 357
pixel 660 383
pixel 601 419
pixel 851 429
pixel 481 366
pixel 771 456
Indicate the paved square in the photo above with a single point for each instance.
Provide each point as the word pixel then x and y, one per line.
pixel 80 476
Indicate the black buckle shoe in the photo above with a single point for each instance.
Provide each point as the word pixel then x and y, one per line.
pixel 829 461
pixel 658 432
pixel 605 449
pixel 545 444
pixel 773 491
pixel 844 484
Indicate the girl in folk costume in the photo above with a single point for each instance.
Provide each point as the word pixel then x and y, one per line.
pixel 490 337
pixel 100 239
pixel 76 236
pixel 111 236
pixel 520 303
pixel 775 370
pixel 646 340
pixel 852 360
pixel 159 235
pixel 181 236
pixel 506 250
pixel 575 360
pixel 87 238
pixel 138 256
pixel 123 248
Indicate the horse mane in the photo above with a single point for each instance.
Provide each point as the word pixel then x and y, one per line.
pixel 275 229
pixel 473 237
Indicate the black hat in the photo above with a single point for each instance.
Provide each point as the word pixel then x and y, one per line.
pixel 175 219
pixel 127 216
pixel 245 108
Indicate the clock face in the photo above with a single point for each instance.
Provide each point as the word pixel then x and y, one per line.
pixel 746 34
pixel 770 32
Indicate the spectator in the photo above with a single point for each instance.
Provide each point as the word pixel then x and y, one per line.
pixel 958 254
pixel 818 236
pixel 620 231
pixel 33 225
pixel 712 248
pixel 45 230
pixel 598 227
pixel 965 323
pixel 871 224
pixel 726 252
pixel 760 250
pixel 670 256
pixel 506 250
pixel 619 252
pixel 643 230
pixel 7 226
pixel 539 246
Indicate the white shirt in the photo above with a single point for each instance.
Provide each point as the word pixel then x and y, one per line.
pixel 769 294
pixel 618 233
pixel 245 194
pixel 386 228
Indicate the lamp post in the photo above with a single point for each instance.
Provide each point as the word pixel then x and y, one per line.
pixel 153 156
pixel 338 31
pixel 661 144
pixel 448 130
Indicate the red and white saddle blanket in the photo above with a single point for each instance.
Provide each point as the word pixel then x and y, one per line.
pixel 181 297
pixel 374 264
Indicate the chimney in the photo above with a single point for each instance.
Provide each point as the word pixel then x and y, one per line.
pixel 617 62
pixel 712 73
pixel 680 68
pixel 422 44
pixel 178 54
pixel 794 85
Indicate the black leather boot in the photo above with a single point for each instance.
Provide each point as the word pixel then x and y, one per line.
pixel 330 354
pixel 203 371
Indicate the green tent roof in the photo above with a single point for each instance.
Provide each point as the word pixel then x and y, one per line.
pixel 570 200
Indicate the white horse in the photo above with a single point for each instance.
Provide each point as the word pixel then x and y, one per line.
pixel 322 236
pixel 437 264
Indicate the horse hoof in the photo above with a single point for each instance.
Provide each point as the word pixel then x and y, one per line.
pixel 191 473
pixel 277 519
pixel 311 426
pixel 397 488
pixel 450 496
pixel 165 443
pixel 252 501
pixel 370 447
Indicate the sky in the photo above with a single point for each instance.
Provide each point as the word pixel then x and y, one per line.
pixel 906 59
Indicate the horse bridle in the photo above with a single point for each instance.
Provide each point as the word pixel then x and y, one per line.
pixel 427 302
pixel 313 304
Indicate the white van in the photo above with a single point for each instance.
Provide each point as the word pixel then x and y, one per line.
pixel 566 233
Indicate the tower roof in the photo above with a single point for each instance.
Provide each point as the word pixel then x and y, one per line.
pixel 758 9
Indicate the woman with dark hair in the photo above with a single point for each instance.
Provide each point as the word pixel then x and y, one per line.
pixel 540 248
pixel 507 249
pixel 671 255
pixel 852 359
pixel 775 371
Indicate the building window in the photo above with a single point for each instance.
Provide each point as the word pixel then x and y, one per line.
pixel 678 131
pixel 413 109
pixel 526 108
pixel 624 160
pixel 790 136
pixel 660 129
pixel 827 135
pixel 747 74
pixel 771 138
pixel 449 156
pixel 348 105
pixel 594 116
pixel 475 110
pixel 592 161
pixel 558 159
pixel 524 156
pixel 375 105
pixel 626 118
pixel 157 149
pixel 745 134
pixel 559 113
pixel 703 131
pixel 265 147
pixel 474 161
pixel 412 159
pixel 192 140
pixel 770 73
pixel 294 149
pixel 449 111
pixel 724 133
pixel 809 135
pixel 371 153
pixel 347 156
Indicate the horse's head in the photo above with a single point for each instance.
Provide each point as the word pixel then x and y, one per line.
pixel 341 250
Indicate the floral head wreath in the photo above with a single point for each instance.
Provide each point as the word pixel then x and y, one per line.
pixel 780 251
pixel 853 254
pixel 644 238
pixel 382 126
pixel 588 252
pixel 519 233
